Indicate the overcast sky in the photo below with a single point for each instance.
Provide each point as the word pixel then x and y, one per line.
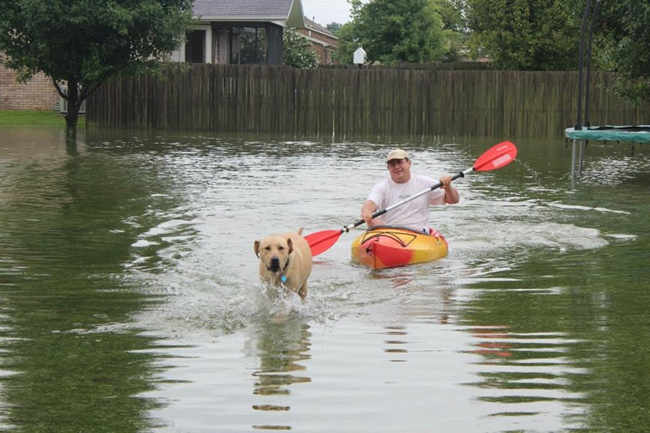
pixel 327 11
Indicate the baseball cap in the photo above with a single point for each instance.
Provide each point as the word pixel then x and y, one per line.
pixel 397 154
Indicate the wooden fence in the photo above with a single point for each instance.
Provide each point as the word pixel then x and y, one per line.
pixel 385 102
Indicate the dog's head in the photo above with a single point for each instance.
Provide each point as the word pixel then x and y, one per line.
pixel 274 252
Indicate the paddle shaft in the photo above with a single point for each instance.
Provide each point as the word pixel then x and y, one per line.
pixel 406 200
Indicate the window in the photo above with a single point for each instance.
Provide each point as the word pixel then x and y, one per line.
pixel 195 47
pixel 248 46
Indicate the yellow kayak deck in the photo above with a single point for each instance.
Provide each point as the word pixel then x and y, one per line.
pixel 388 247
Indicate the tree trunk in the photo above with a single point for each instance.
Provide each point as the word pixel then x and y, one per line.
pixel 72 116
pixel 71 124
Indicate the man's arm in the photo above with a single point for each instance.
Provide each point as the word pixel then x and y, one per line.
pixel 451 195
pixel 369 207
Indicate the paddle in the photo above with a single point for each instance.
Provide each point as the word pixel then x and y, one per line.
pixel 494 158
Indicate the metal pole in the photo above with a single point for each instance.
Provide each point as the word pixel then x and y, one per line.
pixel 581 64
pixel 587 122
pixel 582 148
pixel 573 160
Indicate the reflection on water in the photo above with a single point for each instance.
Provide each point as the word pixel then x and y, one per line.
pixel 130 299
pixel 527 374
pixel 282 350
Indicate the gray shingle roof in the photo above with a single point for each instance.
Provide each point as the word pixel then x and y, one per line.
pixel 244 8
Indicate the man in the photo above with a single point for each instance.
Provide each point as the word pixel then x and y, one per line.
pixel 402 184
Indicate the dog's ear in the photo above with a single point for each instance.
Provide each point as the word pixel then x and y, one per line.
pixel 290 245
pixel 256 248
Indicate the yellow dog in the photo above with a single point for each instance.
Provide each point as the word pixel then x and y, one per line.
pixel 285 261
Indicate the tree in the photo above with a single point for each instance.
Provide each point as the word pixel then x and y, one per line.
pixel 81 44
pixel 297 50
pixel 397 31
pixel 334 27
pixel 393 31
pixel 526 34
pixel 624 37
pixel 454 27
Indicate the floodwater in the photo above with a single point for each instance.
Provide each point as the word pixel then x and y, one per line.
pixel 130 301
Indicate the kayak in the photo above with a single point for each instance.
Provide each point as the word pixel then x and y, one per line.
pixel 388 247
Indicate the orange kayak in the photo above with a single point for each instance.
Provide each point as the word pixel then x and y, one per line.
pixel 388 247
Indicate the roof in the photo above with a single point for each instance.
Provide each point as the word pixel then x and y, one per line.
pixel 287 12
pixel 313 25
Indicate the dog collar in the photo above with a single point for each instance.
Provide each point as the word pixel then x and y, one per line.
pixel 283 277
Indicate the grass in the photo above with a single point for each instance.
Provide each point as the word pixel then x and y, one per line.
pixel 34 118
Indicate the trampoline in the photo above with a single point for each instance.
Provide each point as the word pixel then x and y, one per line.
pixel 627 134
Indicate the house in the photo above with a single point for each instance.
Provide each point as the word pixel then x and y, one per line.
pixel 323 42
pixel 239 31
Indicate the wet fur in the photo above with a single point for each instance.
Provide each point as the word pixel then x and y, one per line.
pixel 287 255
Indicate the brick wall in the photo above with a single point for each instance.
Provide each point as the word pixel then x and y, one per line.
pixel 322 41
pixel 36 94
pixel 324 54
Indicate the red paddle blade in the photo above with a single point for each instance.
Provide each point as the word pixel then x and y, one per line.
pixel 496 157
pixel 320 242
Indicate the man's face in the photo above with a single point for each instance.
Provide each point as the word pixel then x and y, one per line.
pixel 400 170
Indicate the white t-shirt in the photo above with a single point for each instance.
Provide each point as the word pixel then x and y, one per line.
pixel 414 214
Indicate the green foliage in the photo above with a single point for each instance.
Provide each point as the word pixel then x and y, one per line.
pixel 297 50
pixel 82 43
pixel 348 43
pixel 454 28
pixel 625 35
pixel 334 27
pixel 526 34
pixel 452 13
pixel 393 31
